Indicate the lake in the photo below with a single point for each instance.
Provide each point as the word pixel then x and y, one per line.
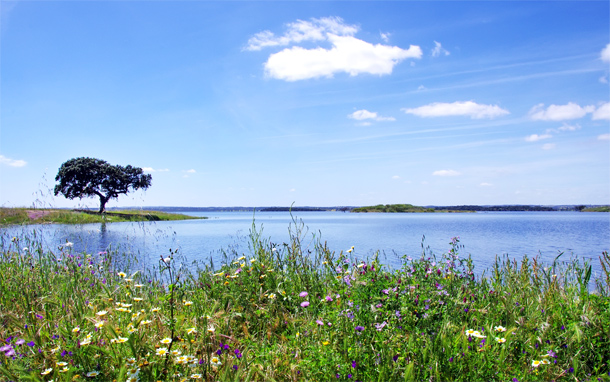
pixel 483 234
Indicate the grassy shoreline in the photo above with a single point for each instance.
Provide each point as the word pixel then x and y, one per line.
pixel 298 312
pixel 16 216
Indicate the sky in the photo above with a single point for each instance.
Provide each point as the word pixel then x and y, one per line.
pixel 247 103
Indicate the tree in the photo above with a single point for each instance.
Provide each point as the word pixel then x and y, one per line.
pixel 90 177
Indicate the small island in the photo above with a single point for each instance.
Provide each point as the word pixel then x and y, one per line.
pixel 402 208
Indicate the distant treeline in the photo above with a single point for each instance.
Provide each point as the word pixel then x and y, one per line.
pixel 496 208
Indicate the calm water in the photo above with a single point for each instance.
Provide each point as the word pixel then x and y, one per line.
pixel 484 235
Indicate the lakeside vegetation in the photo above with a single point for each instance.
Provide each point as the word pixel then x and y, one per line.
pixel 298 312
pixel 597 209
pixel 9 216
pixel 402 208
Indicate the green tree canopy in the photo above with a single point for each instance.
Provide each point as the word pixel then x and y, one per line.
pixel 90 177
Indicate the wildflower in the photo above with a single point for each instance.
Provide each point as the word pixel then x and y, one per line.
pixel 319 322
pixel 500 328
pixel 272 296
pixel 478 335
pixel 470 332
pixel 359 328
pixel 85 342
pixel 166 341
pixel 61 364
pixel 325 343
pixel 138 299
pixel 241 258
pixel 191 330
pixel 161 351
pixel 99 324
pixel 211 328
pixel 196 376
pixel 46 371
pixel 215 361
pixel 303 294
pixel 379 327
pixel 500 340
pixel 350 250
pixel 155 310
pixel 328 298
pixel 64 369
pixel 76 330
pixel 218 274
pixel 252 261
pixel 120 340
pixel 101 313
pixel 145 322
pixel 305 304
pixel 139 285
pixel 188 303
pixel 545 361
pixel 92 374
pixel 122 274
pixel 536 363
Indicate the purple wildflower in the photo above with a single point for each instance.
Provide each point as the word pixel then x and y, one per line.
pixel 30 344
pixel 359 328
pixel 303 294
pixel 20 341
pixel 319 322
pixel 305 304
pixel 354 364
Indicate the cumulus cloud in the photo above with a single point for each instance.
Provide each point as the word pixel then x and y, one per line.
pixel 439 50
pixel 604 137
pixel 446 173
pixel 602 112
pixel 605 54
pixel 548 146
pixel 363 115
pixel 12 162
pixel 468 108
pixel 191 171
pixel 536 137
pixel 559 112
pixel 347 54
pixel 300 31
pixel 385 36
pixel 150 169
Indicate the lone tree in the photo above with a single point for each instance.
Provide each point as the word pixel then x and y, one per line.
pixel 90 177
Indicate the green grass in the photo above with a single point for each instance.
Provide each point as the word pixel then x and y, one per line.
pixel 11 216
pixel 597 209
pixel 298 312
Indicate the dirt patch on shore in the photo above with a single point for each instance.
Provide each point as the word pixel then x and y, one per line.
pixel 36 214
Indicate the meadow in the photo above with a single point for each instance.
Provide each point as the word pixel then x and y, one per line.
pixel 298 312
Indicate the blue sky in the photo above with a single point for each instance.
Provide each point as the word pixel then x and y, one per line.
pixel 312 103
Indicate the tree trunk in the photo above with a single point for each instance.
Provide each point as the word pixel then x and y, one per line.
pixel 103 201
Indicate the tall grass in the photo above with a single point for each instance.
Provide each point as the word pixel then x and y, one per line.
pixel 297 311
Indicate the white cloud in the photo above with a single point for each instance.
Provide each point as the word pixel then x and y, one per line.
pixel 396 177
pixel 421 87
pixel 604 137
pixel 446 173
pixel 12 162
pixel 300 31
pixel 548 146
pixel 150 169
pixel 346 55
pixel 536 137
pixel 605 54
pixel 602 112
pixel 485 184
pixel 191 171
pixel 438 50
pixel 566 127
pixel 559 112
pixel 468 108
pixel 603 79
pixel 385 36
pixel 361 115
